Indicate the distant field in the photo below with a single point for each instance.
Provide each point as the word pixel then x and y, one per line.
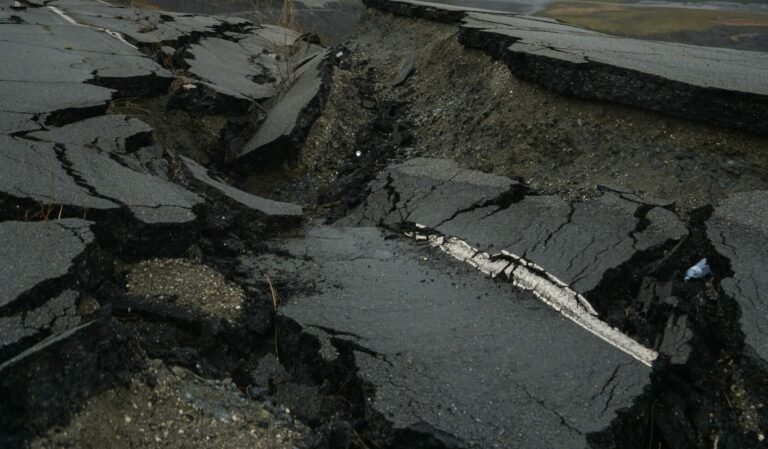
pixel 614 17
pixel 699 26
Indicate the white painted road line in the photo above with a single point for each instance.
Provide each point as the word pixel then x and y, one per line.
pixel 72 21
pixel 548 288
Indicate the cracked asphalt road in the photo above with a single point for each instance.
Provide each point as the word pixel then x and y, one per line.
pixel 577 242
pixel 427 302
pixel 738 231
pixel 452 350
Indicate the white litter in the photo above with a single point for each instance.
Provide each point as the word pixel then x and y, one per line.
pixel 698 271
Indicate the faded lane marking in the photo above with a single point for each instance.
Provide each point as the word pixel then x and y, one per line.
pixel 548 288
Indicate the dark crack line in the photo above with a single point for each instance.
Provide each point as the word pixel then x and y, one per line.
pixel 335 332
pixel 563 421
pixel 77 177
pixel 550 235
pixel 502 201
pixel 74 232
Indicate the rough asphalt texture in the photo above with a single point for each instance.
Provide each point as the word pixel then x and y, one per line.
pixel 24 243
pixel 739 231
pixel 716 85
pixel 464 355
pixel 577 242
pixel 54 317
pixel 110 133
pixel 284 119
pixel 120 252
pixel 65 160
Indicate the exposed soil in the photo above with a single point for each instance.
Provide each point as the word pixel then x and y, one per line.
pixel 714 394
pixel 203 144
pixel 460 104
pixel 194 348
pixel 187 284
pixel 170 407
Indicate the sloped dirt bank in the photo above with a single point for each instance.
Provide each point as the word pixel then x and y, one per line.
pixel 462 105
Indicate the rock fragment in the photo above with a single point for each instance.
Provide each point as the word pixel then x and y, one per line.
pixel 291 116
pixel 715 85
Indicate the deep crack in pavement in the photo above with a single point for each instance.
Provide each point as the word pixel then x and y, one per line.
pixel 440 255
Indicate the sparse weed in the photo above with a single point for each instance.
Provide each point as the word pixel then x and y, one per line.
pixel 128 106
pixel 288 17
pixel 288 52
pixel 274 307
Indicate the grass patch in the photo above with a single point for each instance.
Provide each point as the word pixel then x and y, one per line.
pixel 637 20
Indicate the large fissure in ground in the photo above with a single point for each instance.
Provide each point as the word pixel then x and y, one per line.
pixel 180 315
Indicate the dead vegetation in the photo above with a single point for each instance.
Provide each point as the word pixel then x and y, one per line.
pixel 289 48
pixel 130 107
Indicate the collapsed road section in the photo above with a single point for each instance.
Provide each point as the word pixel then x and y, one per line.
pixel 104 224
pixel 452 353
pixel 421 294
pixel 720 86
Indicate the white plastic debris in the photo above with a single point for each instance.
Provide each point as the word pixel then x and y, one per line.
pixel 340 54
pixel 358 153
pixel 698 271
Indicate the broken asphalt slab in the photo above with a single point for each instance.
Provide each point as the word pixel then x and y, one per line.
pixel 720 86
pixel 103 52
pixel 81 54
pixel 55 74
pixel 400 317
pixel 84 177
pixel 445 349
pixel 230 70
pixel 57 150
pixel 292 115
pixel 262 205
pixel 65 156
pixel 239 61
pixel 575 242
pixel 738 229
pixel 23 244
pixel 54 317
pixel 141 27
pixel 110 133
pixel 407 314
